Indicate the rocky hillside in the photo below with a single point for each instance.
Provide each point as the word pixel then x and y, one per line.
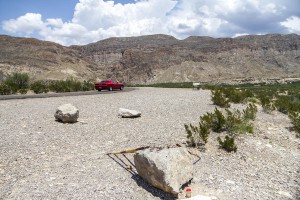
pixel 158 58
pixel 41 59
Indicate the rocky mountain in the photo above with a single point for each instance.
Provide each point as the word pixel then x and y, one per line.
pixel 42 60
pixel 158 58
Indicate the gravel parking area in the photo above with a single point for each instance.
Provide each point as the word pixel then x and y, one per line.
pixel 44 159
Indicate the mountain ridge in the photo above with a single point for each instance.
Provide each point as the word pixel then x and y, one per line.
pixel 156 58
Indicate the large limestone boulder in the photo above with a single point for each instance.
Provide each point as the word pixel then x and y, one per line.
pixel 126 113
pixel 67 113
pixel 167 169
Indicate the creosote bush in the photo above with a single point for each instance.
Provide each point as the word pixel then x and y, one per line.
pixel 15 82
pixel 23 91
pixel 70 85
pixel 215 121
pixel 267 104
pixel 295 118
pixel 196 136
pixel 39 87
pixel 87 85
pixel 5 89
pixel 228 143
pixel 219 99
pixel 233 123
pixel 250 112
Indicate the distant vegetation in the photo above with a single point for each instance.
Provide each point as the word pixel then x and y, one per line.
pixel 20 83
pixel 164 85
pixel 284 98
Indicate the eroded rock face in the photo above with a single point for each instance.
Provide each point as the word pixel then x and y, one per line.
pixel 67 113
pixel 167 169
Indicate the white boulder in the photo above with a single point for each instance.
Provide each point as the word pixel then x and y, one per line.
pixel 67 113
pixel 126 113
pixel 167 169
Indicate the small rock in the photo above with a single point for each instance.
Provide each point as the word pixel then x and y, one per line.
pixel 126 113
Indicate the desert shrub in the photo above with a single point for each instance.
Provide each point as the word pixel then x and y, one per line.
pixel 5 89
pixel 286 104
pixel 215 121
pixel 197 136
pixel 88 85
pixel 267 104
pixel 73 85
pixel 59 86
pixel 236 95
pixel 253 100
pixel 228 143
pixel 219 99
pixel 295 118
pixel 23 91
pixel 39 87
pixel 70 85
pixel 219 121
pixel 237 122
pixel 17 81
pixel 250 112
pixel 233 121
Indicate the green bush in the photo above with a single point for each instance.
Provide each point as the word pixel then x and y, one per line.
pixel 228 144
pixel 215 121
pixel 233 121
pixel 5 89
pixel 238 123
pixel 23 91
pixel 286 104
pixel 70 85
pixel 39 87
pixel 250 112
pixel 219 99
pixel 17 81
pixel 267 104
pixel 73 85
pixel 88 85
pixel 219 121
pixel 58 86
pixel 236 95
pixel 197 136
pixel 295 118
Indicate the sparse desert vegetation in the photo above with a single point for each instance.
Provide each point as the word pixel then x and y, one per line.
pixel 20 82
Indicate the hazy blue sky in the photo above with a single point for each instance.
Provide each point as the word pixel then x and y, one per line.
pixel 83 21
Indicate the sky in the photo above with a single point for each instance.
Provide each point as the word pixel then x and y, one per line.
pixel 79 22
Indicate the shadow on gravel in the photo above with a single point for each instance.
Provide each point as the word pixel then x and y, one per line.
pixel 139 180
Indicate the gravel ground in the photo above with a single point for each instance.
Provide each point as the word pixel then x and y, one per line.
pixel 44 159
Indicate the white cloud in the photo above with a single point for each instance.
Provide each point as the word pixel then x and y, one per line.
pixel 94 20
pixel 293 24
pixel 26 24
pixel 55 22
